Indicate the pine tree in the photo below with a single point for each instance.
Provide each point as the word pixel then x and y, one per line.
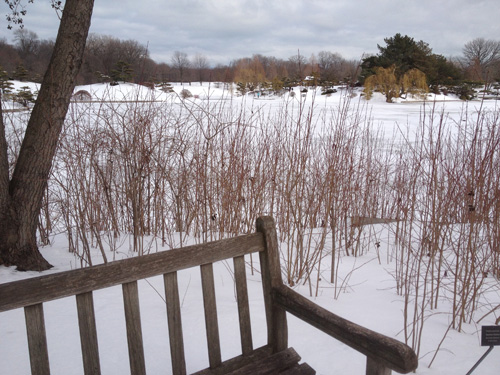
pixel 405 54
pixel 24 96
pixel 122 72
pixel 5 84
pixel 21 74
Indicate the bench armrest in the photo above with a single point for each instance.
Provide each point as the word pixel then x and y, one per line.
pixel 385 350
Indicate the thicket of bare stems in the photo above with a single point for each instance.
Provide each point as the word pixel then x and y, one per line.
pixel 161 171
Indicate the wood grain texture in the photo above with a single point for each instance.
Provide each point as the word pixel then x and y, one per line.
pixel 268 303
pixel 46 288
pixel 237 362
pixel 174 324
pixel 266 226
pixel 302 369
pixel 389 352
pixel 243 307
pixel 134 330
pixel 88 334
pixel 277 329
pixel 37 340
pixel 211 322
pixel 274 364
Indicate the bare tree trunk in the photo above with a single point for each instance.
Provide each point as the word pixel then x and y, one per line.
pixel 21 198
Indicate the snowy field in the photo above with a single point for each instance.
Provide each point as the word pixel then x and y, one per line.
pixel 366 293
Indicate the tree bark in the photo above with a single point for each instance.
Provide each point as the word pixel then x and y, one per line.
pixel 21 197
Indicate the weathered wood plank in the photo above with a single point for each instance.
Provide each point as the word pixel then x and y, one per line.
pixel 302 369
pixel 243 307
pixel 277 330
pixel 266 226
pixel 46 288
pixel 37 340
pixel 237 362
pixel 389 352
pixel 211 322
pixel 275 364
pixel 134 331
pixel 88 333
pixel 174 324
pixel 268 303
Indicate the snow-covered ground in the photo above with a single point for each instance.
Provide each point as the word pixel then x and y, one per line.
pixel 367 295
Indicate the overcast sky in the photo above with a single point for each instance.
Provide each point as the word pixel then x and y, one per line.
pixel 224 30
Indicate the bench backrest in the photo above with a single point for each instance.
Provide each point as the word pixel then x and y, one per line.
pixel 32 293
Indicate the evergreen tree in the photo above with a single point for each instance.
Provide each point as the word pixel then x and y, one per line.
pixel 443 72
pixel 122 72
pixel 277 85
pixel 5 85
pixel 405 54
pixel 21 74
pixel 24 96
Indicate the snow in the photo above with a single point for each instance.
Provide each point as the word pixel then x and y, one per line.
pixel 366 296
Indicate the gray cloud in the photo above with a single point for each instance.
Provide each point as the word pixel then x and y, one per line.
pixel 227 29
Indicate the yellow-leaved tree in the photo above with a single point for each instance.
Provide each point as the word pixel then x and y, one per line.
pixel 384 80
pixel 249 74
pixel 413 82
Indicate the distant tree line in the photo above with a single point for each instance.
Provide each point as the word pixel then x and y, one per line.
pixel 109 59
pixel 403 66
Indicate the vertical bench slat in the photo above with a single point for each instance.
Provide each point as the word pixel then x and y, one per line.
pixel 271 278
pixel 212 326
pixel 37 340
pixel 174 323
pixel 88 333
pixel 134 332
pixel 243 308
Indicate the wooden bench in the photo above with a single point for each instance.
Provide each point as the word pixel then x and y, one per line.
pixel 383 353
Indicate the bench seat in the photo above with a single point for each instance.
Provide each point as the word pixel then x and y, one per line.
pixel 262 361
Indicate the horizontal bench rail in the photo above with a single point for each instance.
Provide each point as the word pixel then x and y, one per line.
pixel 382 349
pixel 64 284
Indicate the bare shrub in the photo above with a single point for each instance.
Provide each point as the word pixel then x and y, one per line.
pixel 207 169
